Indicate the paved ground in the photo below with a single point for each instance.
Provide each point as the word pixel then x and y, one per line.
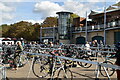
pixel 78 72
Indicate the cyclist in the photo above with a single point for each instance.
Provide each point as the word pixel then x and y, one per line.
pixel 19 47
pixel 118 59
pixel 17 52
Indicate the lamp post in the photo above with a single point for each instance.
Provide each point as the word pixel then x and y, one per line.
pixel 40 34
pixel 53 33
pixel 86 33
pixel 105 24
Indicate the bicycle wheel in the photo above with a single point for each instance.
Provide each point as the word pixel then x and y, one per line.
pixel 110 71
pixel 40 68
pixel 66 73
pixel 17 60
pixel 85 65
pixel 23 59
pixel 69 61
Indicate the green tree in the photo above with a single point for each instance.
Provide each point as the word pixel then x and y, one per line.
pixel 22 29
pixel 5 28
pixel 72 16
pixel 49 22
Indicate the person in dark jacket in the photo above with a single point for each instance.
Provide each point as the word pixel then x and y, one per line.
pixel 118 59
pixel 17 52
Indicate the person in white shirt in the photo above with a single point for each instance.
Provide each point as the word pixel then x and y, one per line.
pixel 87 45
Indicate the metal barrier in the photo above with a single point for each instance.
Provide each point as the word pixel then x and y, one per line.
pixel 2 73
pixel 98 64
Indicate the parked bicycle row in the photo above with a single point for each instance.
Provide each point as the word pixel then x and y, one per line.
pixel 72 52
pixel 14 58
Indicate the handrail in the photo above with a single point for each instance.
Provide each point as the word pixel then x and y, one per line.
pixel 78 60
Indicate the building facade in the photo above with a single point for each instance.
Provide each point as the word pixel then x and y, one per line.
pixel 49 34
pixel 105 28
pixel 64 27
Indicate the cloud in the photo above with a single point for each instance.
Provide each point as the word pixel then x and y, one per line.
pixel 6 8
pixel 22 0
pixel 34 21
pixel 6 12
pixel 47 8
pixel 58 0
pixel 7 16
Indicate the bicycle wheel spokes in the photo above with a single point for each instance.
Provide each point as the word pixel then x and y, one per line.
pixel 23 59
pixel 110 71
pixel 85 65
pixel 64 73
pixel 40 69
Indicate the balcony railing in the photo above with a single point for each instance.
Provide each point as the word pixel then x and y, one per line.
pixel 110 25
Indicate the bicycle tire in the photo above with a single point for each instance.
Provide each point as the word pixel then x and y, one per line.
pixel 69 61
pixel 23 59
pixel 85 65
pixel 17 59
pixel 103 72
pixel 67 74
pixel 40 69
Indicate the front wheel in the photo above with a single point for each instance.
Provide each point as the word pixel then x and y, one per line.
pixel 110 71
pixel 40 69
pixel 85 65
pixel 23 59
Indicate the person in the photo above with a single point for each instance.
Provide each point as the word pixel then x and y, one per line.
pixel 101 43
pixel 95 43
pixel 17 52
pixel 118 59
pixel 87 45
pixel 51 44
pixel 19 47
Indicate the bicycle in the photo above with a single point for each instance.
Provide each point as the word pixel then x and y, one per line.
pixel 47 66
pixel 110 71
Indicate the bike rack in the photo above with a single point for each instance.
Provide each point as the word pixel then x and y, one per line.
pixel 98 64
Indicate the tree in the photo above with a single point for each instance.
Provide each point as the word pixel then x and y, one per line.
pixel 5 28
pixel 49 22
pixel 72 16
pixel 21 29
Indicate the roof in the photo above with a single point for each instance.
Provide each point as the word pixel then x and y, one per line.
pixel 93 12
pixel 110 8
pixel 64 12
pixel 117 4
pixel 82 18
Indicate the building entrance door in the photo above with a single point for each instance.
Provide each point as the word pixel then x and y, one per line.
pixel 98 38
pixel 116 37
pixel 80 40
